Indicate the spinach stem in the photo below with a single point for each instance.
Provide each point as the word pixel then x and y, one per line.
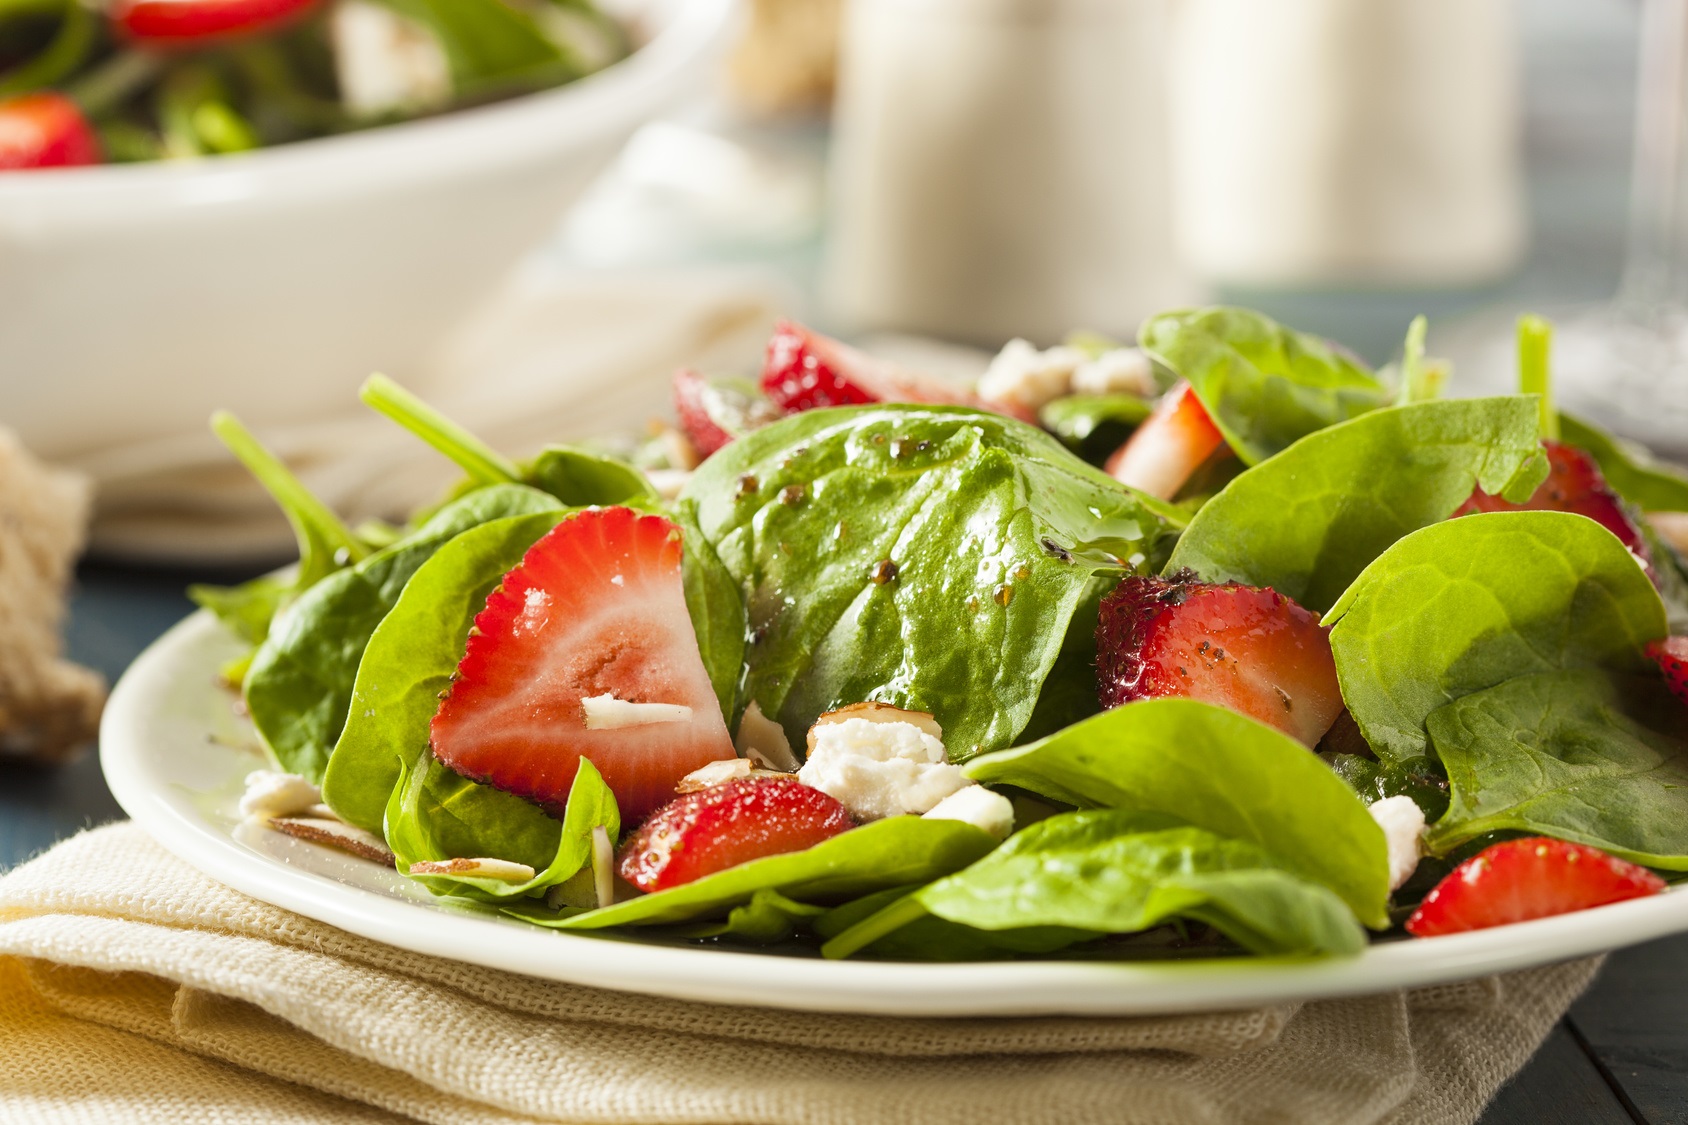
pixel 304 511
pixel 875 926
pixel 1535 373
pixel 483 463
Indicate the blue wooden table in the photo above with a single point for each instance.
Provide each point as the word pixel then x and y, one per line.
pixel 1621 1056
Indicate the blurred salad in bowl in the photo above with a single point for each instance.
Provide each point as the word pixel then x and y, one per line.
pixel 136 80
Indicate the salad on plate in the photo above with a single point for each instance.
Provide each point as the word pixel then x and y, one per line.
pixel 1220 644
pixel 134 80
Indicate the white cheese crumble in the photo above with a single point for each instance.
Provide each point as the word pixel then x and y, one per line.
pixel 1402 822
pixel 606 712
pixel 1118 371
pixel 1021 375
pixel 763 741
pixel 879 769
pixel 386 62
pixel 979 807
pixel 273 793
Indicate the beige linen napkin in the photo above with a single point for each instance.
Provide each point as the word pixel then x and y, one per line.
pixel 134 989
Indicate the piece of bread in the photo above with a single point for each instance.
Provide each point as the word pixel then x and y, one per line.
pixel 49 707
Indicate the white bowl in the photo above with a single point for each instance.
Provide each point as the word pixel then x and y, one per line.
pixel 135 299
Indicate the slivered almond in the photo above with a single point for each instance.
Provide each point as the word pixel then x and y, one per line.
pixel 763 741
pixel 503 870
pixel 335 834
pixel 606 712
pixel 719 773
pixel 879 713
pixel 603 866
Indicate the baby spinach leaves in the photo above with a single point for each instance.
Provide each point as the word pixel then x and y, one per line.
pixel 1632 472
pixel 1586 755
pixel 928 557
pixel 1464 605
pixel 1266 386
pixel 299 685
pixel 1214 769
pixel 1106 871
pixel 717 612
pixel 409 661
pixel 1308 521
pixel 886 853
pixel 1093 426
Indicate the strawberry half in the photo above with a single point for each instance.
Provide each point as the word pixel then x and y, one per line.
pixel 1170 445
pixel 45 130
pixel 594 608
pixel 1244 647
pixel 1518 880
pixel 1671 654
pixel 806 371
pixel 1574 484
pixel 723 826
pixel 715 411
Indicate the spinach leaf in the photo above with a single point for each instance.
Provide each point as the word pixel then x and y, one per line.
pixel 409 661
pixel 1421 780
pixel 1467 604
pixel 886 853
pixel 435 814
pixel 1596 757
pixel 579 477
pixel 245 610
pixel 486 41
pixel 1093 426
pixel 1266 386
pixel 717 612
pixel 1309 520
pixel 1650 485
pixel 1112 871
pixel 299 686
pixel 768 918
pixel 1218 770
pixel 928 937
pixel 927 557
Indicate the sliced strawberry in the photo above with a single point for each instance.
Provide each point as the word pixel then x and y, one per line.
pixel 196 22
pixel 1243 647
pixel 715 411
pixel 1161 454
pixel 1574 484
pixel 1671 653
pixel 44 130
pixel 806 370
pixel 723 826
pixel 1535 877
pixel 595 608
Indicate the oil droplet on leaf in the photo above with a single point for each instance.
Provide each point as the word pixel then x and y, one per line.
pixel 1004 594
pixel 884 571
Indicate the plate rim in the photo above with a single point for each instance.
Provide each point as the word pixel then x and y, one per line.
pixel 752 979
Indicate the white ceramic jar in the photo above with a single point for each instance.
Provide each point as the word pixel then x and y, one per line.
pixel 1000 169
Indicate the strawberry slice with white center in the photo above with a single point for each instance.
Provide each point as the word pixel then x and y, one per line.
pixel 595 612
pixel 1671 655
pixel 806 371
pixel 1248 648
pixel 725 825
pixel 714 412
pixel 1168 447
pixel 1518 880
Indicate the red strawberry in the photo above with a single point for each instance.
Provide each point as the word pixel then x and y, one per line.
pixel 1243 647
pixel 594 608
pixel 723 826
pixel 44 130
pixel 806 370
pixel 1518 880
pixel 1162 453
pixel 715 411
pixel 1574 484
pixel 1672 656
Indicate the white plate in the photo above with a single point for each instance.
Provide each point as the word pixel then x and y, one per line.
pixel 175 754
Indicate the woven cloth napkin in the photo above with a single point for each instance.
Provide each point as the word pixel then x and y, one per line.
pixel 134 989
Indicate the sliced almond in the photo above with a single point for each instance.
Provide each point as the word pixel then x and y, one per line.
pixel 606 712
pixel 763 741
pixel 483 868
pixel 272 793
pixel 603 866
pixel 336 834
pixel 879 713
pixel 713 774
pixel 1672 528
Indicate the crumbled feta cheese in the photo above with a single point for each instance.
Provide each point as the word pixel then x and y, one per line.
pixel 979 807
pixel 1118 371
pixel 1402 822
pixel 503 870
pixel 386 62
pixel 763 741
pixel 273 793
pixel 1021 375
pixel 879 769
pixel 606 712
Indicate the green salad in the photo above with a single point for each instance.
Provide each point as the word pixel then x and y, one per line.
pixel 129 80
pixel 1220 644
